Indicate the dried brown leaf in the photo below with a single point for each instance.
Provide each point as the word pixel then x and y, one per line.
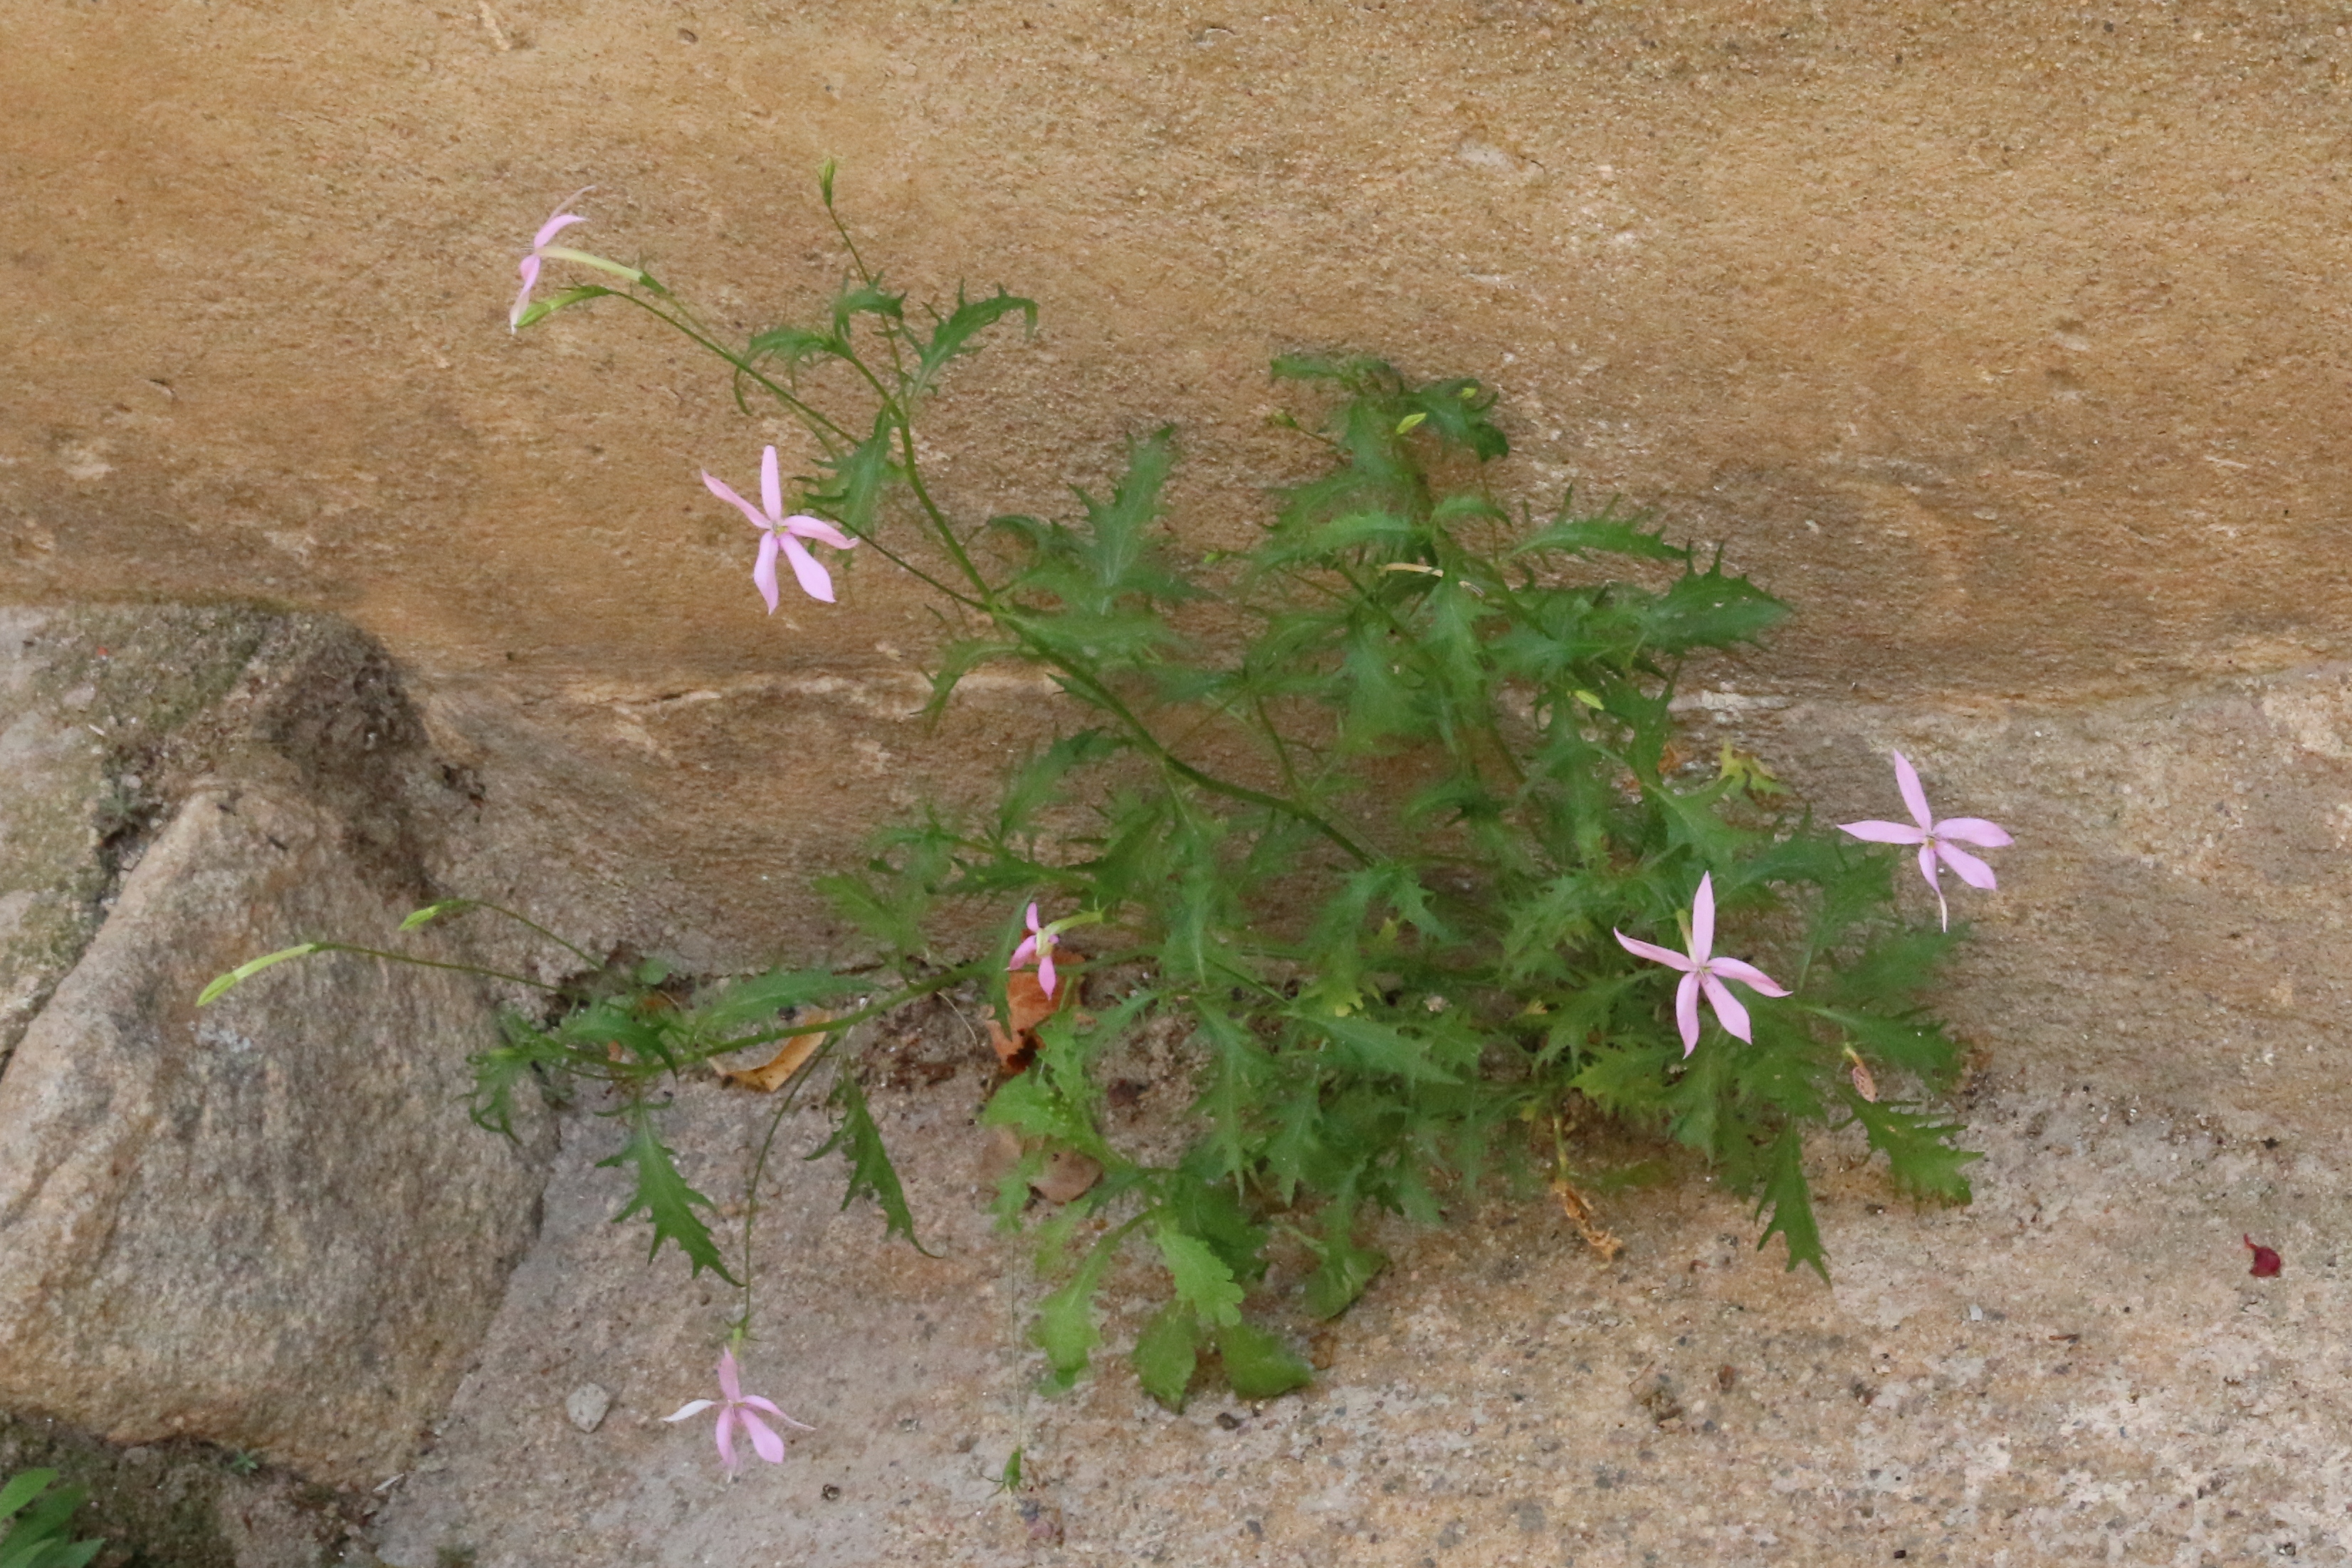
pixel 1029 1006
pixel 780 1069
pixel 1580 1212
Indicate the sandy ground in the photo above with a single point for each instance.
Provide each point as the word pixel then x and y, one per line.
pixel 2078 1367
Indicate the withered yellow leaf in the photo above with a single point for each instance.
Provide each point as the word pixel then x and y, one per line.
pixel 780 1069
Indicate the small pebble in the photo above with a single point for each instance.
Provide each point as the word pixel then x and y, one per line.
pixel 586 1406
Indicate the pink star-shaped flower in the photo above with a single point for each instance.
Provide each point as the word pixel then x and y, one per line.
pixel 1704 972
pixel 782 533
pixel 1934 838
pixel 554 225
pixel 1037 948
pixel 736 1406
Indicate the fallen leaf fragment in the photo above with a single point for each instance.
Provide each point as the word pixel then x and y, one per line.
pixel 1580 1212
pixel 1864 1083
pixel 780 1069
pixel 1066 1176
pixel 2267 1260
pixel 1029 1006
pixel 999 1153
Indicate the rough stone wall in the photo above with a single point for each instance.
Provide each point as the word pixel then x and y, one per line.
pixel 2004 339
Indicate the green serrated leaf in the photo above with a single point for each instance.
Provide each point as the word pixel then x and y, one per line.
pixel 1166 1353
pixel 871 1174
pixel 1377 1047
pixel 952 334
pixel 760 998
pixel 1894 967
pixel 1918 1149
pixel 1039 779
pixel 796 346
pixel 1203 1279
pixel 1259 1364
pixel 664 1198
pixel 1914 1043
pixel 1790 1200
pixel 1709 608
pixel 1346 1266
pixel 1065 1329
pixel 864 300
pixel 1601 535
pixel 1627 1080
pixel 957 660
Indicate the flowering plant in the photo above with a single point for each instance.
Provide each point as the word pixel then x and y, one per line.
pixel 1378 815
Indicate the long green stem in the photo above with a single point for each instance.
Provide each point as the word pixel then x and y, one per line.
pixel 760 1166
pixel 434 964
pixel 685 328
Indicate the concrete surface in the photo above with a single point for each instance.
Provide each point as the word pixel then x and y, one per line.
pixel 2078 1367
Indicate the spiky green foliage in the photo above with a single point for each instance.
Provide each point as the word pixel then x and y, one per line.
pixel 1446 769
pixel 663 1196
pixel 1361 803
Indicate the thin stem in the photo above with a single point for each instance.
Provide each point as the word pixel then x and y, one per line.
pixel 938 982
pixel 700 337
pixel 938 518
pixel 1104 698
pixel 586 958
pixel 434 964
pixel 760 1164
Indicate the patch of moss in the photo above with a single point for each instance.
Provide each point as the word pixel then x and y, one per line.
pixel 154 1506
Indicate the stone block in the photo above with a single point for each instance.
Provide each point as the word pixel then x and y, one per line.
pixel 269 1224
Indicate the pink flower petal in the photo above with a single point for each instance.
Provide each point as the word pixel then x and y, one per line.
pixel 817 528
pixel 727 1419
pixel 764 1439
pixel 1727 1010
pixel 556 225
pixel 1703 920
pixel 1973 872
pixel 1687 1011
pixel 731 1381
pixel 522 301
pixel 1885 832
pixel 756 1403
pixel 764 573
pixel 1033 926
pixel 1973 830
pixel 1748 975
pixel 1907 779
pixel 1653 952
pixel 726 492
pixel 815 581
pixel 1024 955
pixel 771 488
pixel 1927 864
pixel 691 1407
pixel 1045 968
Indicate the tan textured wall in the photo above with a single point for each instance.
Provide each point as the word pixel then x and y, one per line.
pixel 2006 340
